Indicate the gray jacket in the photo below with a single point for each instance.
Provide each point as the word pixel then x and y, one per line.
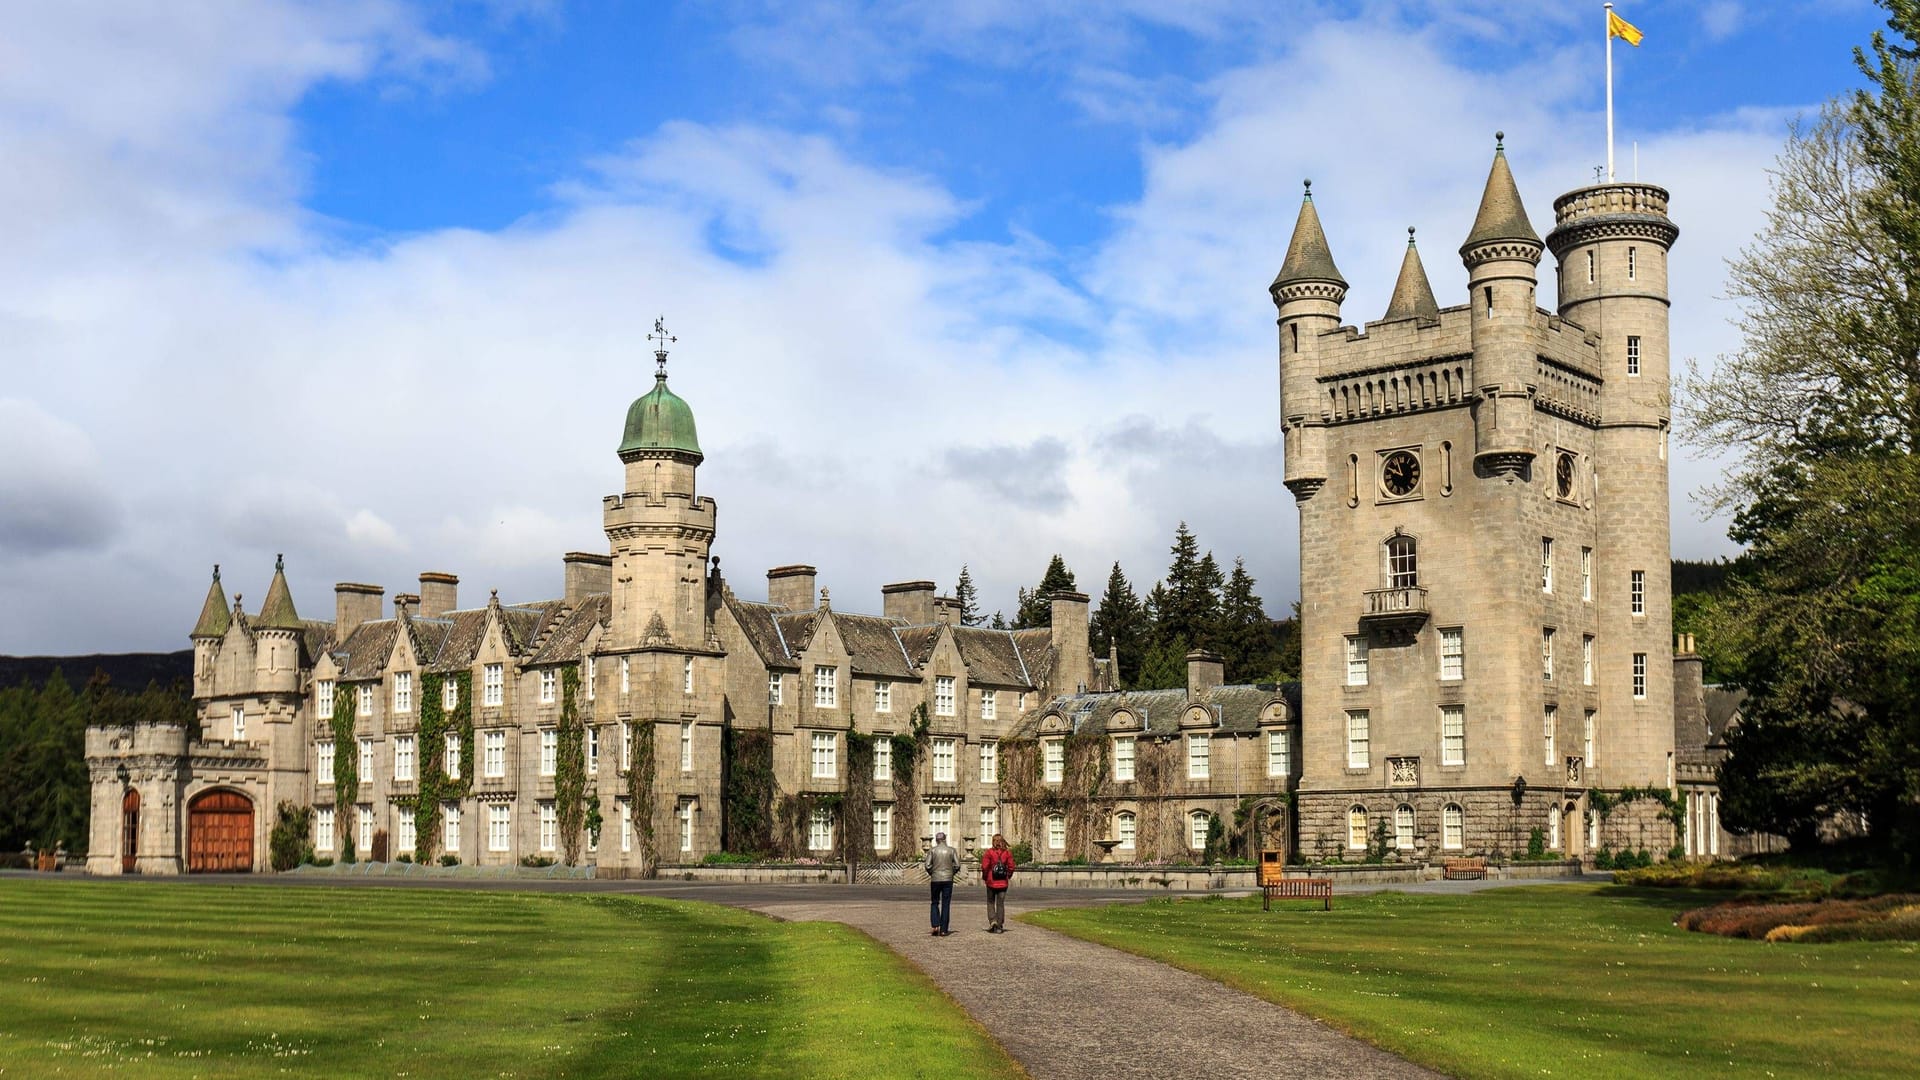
pixel 942 863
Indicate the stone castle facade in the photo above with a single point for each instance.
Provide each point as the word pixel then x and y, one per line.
pixel 1485 615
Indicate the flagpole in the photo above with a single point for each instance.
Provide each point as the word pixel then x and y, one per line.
pixel 1609 33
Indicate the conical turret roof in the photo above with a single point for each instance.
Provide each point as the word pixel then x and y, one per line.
pixel 1412 294
pixel 1502 216
pixel 1308 258
pixel 214 617
pixel 277 613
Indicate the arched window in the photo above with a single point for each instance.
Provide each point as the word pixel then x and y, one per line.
pixel 1357 827
pixel 1125 828
pixel 1403 827
pixel 1453 827
pixel 1197 830
pixel 1403 564
pixel 1056 831
pixel 1553 829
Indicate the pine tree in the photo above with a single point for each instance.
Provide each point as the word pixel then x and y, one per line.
pixel 1246 640
pixel 1122 620
pixel 1186 605
pixel 1036 606
pixel 1164 666
pixel 968 598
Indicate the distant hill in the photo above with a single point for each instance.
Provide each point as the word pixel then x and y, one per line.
pixel 1698 577
pixel 125 671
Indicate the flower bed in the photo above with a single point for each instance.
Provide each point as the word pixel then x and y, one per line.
pixel 1894 917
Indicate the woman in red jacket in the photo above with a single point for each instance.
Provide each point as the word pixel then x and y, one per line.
pixel 996 869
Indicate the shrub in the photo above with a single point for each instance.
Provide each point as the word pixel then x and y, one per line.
pixel 535 861
pixel 1536 845
pixel 288 841
pixel 405 857
pixel 1603 859
pixel 1818 920
pixel 320 861
pixel 1022 853
pixel 721 858
pixel 449 860
pixel 1676 853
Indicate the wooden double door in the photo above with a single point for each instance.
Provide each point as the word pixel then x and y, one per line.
pixel 219 833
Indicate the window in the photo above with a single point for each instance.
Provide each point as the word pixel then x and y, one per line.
pixel 593 670
pixel 989 705
pixel 323 829
pixel 824 765
pixel 883 696
pixel 1403 565
pixel 943 695
pixel 1403 827
pixel 1356 738
pixel 989 824
pixel 626 825
pixel 364 817
pixel 1549 723
pixel 1125 827
pixel 1632 261
pixel 1589 265
pixel 404 837
pixel 494 755
pixel 1054 757
pixel 593 751
pixel 1453 735
pixel 989 762
pixel 773 688
pixel 1586 660
pixel 1357 827
pixel 1453 654
pixel 323 761
pixel 499 822
pixel 1640 675
pixel 450 828
pixel 883 826
pixel 403 757
pixel 1197 823
pixel 626 744
pixel 549 751
pixel 1586 573
pixel 492 680
pixel 323 698
pixel 686 746
pixel 1056 831
pixel 1586 740
pixel 1453 827
pixel 1356 661
pixel 626 674
pixel 820 829
pixel 1639 592
pixel 1553 829
pixel 882 757
pixel 366 760
pixel 1546 653
pixel 403 691
pixel 449 695
pixel 452 757
pixel 940 820
pixel 366 700
pixel 943 763
pixel 547 683
pixel 239 723
pixel 1546 564
pixel 1199 756
pixel 683 817
pixel 686 676
pixel 1279 754
pixel 1123 757
pixel 826 686
pixel 1633 354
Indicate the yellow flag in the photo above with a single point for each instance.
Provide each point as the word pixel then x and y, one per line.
pixel 1621 28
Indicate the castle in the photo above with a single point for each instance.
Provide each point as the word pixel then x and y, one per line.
pixel 1485 616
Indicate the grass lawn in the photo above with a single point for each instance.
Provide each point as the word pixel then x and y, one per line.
pixel 173 979
pixel 1561 980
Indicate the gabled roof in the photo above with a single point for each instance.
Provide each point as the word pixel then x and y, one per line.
pixel 564 641
pixel 796 629
pixel 872 648
pixel 991 657
pixel 917 642
pixel 759 623
pixel 524 622
pixel 1036 652
pixel 1236 709
pixel 465 632
pixel 364 654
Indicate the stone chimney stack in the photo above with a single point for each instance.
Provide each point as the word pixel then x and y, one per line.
pixel 791 587
pixel 1689 695
pixel 586 575
pixel 909 601
pixel 1205 670
pixel 439 594
pixel 946 610
pixel 354 604
pixel 1072 662
pixel 405 603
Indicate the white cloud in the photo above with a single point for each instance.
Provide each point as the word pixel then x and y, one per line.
pixel 55 494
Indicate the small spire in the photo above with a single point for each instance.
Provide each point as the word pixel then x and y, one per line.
pixel 277 612
pixel 1502 215
pixel 214 616
pixel 1412 294
pixel 661 339
pixel 1308 258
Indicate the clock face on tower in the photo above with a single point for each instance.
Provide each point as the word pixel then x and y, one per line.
pixel 1563 475
pixel 1400 473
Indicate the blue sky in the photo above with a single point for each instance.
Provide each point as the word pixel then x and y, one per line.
pixel 367 282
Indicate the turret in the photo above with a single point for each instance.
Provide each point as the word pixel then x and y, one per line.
pixel 1307 293
pixel 1501 254
pixel 276 662
pixel 211 627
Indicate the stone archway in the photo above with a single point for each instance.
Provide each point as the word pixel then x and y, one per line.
pixel 220 833
pixel 130 832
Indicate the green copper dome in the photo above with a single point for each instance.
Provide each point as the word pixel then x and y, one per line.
pixel 660 421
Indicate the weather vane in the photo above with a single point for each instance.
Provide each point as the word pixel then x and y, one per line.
pixel 661 340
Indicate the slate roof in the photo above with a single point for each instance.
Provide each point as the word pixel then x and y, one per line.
pixel 796 629
pixel 569 634
pixel 886 648
pixel 1723 705
pixel 1036 651
pixel 872 648
pixel 525 622
pixel 991 656
pixel 1237 708
pixel 757 622
pixel 465 632
pixel 364 654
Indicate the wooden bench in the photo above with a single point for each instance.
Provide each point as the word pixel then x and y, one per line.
pixel 1473 867
pixel 1297 889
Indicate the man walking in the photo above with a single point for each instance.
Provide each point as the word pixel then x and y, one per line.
pixel 996 869
pixel 942 864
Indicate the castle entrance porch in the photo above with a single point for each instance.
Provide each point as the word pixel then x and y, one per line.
pixel 219 833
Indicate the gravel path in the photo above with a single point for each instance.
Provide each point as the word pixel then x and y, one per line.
pixel 1070 1009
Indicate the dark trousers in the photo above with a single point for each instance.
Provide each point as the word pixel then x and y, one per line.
pixel 996 907
pixel 942 904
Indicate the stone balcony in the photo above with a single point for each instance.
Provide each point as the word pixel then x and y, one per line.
pixel 1392 610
